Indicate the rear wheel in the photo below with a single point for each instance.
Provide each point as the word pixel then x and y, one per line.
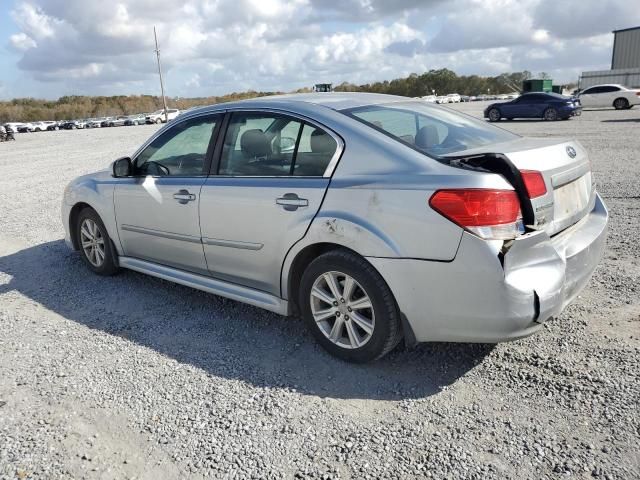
pixel 494 115
pixel 349 307
pixel 621 104
pixel 158 120
pixel 94 243
pixel 550 114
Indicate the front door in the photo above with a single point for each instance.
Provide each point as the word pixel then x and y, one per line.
pixel 157 208
pixel 272 177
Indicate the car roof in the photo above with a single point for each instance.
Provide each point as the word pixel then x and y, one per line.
pixel 607 85
pixel 550 94
pixel 334 100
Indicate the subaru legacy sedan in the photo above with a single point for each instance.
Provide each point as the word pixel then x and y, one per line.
pixel 375 218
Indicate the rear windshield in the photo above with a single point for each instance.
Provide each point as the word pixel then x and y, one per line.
pixel 429 128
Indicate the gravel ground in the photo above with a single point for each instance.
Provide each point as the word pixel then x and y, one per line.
pixel 133 377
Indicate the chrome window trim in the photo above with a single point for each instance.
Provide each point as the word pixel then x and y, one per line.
pixel 331 166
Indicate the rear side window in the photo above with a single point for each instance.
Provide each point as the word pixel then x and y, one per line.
pixel 428 128
pixel 269 144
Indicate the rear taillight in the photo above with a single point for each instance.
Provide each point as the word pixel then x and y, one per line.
pixel 534 183
pixel 490 214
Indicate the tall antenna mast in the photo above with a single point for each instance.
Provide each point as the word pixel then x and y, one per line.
pixel 164 99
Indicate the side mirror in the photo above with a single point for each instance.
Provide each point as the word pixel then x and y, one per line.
pixel 122 167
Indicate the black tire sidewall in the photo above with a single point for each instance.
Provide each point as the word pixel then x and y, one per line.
pixel 624 103
pixel 499 115
pixel 387 318
pixel 109 266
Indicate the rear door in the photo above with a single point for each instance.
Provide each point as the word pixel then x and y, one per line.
pixel 272 173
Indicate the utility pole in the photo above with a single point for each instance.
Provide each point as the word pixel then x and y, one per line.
pixel 164 99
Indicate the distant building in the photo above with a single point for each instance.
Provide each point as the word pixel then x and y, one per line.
pixel 537 85
pixel 626 48
pixel 323 87
pixel 625 62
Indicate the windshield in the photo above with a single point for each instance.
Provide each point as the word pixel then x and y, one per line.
pixel 430 129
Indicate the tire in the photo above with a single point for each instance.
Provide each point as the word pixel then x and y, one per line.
pixel 351 342
pixel 494 115
pixel 89 227
pixel 550 114
pixel 158 120
pixel 135 124
pixel 621 104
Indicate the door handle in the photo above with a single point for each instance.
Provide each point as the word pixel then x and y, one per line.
pixel 291 202
pixel 183 196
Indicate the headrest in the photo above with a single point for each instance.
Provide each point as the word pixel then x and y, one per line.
pixel 427 137
pixel 254 143
pixel 321 142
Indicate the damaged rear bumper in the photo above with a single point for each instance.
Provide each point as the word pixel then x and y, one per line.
pixel 479 298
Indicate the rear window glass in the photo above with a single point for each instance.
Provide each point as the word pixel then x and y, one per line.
pixel 429 128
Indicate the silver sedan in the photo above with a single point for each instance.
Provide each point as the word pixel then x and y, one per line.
pixel 375 218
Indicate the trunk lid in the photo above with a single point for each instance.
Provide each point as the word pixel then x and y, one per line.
pixel 566 169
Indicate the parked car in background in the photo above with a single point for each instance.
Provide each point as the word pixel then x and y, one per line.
pixel 611 95
pixel 389 218
pixel 117 121
pixel 105 121
pixel 465 98
pixel 94 123
pixel 547 106
pixel 25 128
pixel 159 117
pixel 442 99
pixel 453 98
pixel 12 126
pixel 74 124
pixel 430 98
pixel 139 119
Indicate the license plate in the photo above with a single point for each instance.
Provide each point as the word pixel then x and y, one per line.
pixel 571 198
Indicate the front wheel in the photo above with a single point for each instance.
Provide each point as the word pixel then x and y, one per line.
pixel 550 114
pixel 349 307
pixel 494 115
pixel 95 244
pixel 621 104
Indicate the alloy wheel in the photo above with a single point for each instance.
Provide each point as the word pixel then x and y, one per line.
pixel 550 114
pixel 494 115
pixel 92 242
pixel 342 310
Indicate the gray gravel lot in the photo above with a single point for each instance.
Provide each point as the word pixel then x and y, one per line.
pixel 134 377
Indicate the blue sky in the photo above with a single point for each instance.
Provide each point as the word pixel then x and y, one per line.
pixel 51 48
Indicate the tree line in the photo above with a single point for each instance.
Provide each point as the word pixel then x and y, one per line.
pixel 440 81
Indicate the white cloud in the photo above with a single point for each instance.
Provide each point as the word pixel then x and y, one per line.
pixel 22 42
pixel 216 46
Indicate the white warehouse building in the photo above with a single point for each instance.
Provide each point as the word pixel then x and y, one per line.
pixel 625 62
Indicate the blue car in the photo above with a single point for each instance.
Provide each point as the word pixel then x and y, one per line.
pixel 547 106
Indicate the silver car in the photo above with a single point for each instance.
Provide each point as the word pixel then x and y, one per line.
pixel 375 218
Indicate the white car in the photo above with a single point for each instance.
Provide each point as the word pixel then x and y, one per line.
pixel 442 99
pixel 430 98
pixel 158 117
pixel 454 98
pixel 612 95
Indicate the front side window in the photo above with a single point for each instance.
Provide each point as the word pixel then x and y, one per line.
pixel 180 151
pixel 428 128
pixel 271 144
